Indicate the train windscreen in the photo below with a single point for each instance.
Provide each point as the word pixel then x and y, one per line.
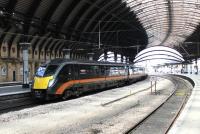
pixel 44 71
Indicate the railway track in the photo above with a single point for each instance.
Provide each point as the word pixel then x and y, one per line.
pixel 161 119
pixel 113 101
pixel 15 101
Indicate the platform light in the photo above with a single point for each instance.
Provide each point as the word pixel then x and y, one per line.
pixel 1 13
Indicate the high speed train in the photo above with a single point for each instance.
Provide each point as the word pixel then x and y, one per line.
pixel 65 78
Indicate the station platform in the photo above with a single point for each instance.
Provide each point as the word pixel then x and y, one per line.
pixel 188 121
pixel 13 89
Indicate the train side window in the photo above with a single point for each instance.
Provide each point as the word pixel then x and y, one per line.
pixel 107 70
pixel 116 71
pixel 65 72
pixel 94 71
pixel 84 71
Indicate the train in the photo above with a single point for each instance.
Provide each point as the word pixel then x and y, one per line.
pixel 62 78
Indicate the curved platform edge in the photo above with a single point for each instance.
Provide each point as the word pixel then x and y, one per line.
pixel 189 119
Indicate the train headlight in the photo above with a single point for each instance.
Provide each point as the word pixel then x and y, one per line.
pixel 51 82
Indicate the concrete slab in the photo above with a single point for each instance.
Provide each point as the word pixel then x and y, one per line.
pixel 8 90
pixel 189 120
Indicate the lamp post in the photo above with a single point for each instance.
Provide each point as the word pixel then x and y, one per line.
pixel 25 46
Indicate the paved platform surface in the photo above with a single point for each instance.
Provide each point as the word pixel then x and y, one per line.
pixel 14 89
pixel 189 120
pixel 89 114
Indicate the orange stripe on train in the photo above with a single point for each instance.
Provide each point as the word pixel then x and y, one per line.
pixel 69 84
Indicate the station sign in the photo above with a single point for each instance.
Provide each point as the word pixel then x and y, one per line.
pixel 153 78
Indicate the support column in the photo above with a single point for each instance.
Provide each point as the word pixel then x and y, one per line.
pixel 105 55
pixel 196 67
pixel 126 59
pixel 182 69
pixel 130 60
pixel 91 56
pixel 78 56
pixel 186 68
pixel 67 53
pixel 122 58
pixel 25 46
pixel 72 56
pixel 115 57
pixel 171 67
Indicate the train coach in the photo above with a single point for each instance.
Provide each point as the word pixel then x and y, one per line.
pixel 64 78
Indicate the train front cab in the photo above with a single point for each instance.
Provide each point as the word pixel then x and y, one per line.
pixel 67 80
pixel 43 81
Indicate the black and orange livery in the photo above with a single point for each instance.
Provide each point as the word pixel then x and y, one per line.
pixel 64 78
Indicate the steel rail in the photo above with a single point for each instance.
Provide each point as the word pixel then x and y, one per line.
pixel 129 131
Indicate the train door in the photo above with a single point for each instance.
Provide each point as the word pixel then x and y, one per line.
pixel 127 72
pixel 75 71
pixel 65 74
pixel 76 76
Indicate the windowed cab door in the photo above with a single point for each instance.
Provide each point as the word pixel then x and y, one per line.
pixel 64 79
pixel 68 81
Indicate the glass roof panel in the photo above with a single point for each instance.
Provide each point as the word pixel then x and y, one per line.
pixel 167 22
pixel 158 55
pixel 158 48
pixel 165 57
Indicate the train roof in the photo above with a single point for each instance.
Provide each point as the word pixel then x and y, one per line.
pixel 67 61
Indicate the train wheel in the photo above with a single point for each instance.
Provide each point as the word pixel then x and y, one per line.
pixel 76 92
pixel 67 94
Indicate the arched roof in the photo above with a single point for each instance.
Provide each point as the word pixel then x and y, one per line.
pixel 126 26
pixel 167 22
pixel 72 24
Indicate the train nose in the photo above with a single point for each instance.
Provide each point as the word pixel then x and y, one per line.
pixel 41 82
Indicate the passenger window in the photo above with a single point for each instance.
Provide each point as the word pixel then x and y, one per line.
pixel 84 71
pixel 65 72
pixel 91 71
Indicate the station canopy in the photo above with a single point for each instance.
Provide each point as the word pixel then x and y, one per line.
pixel 167 22
pixel 125 26
pixel 53 25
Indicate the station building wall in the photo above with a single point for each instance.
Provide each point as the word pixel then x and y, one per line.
pixel 11 63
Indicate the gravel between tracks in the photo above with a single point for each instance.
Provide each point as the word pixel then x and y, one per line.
pixel 86 114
